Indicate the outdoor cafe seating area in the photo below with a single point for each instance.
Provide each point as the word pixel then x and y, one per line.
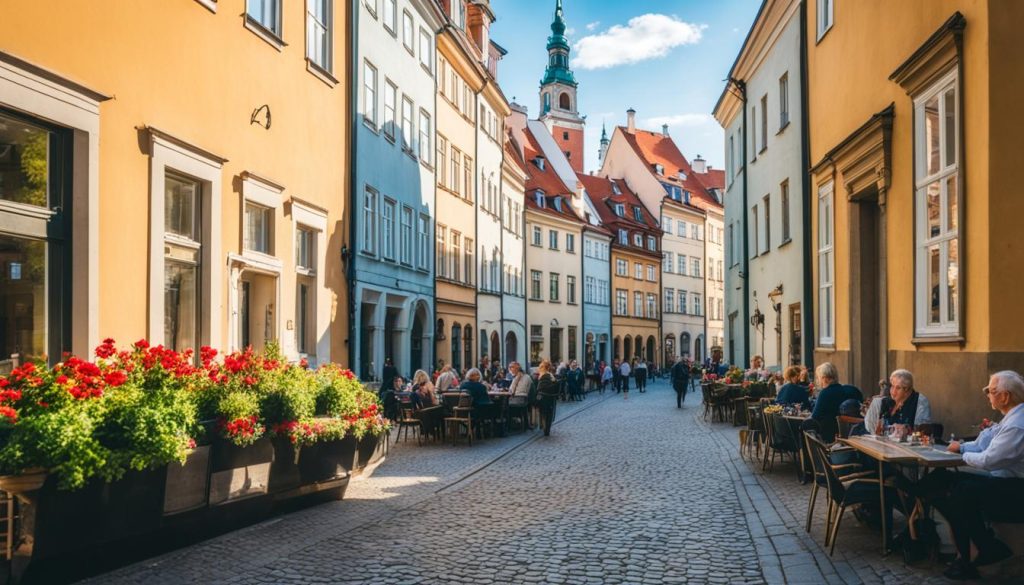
pixel 456 420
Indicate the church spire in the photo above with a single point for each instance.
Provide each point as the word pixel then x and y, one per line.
pixel 558 52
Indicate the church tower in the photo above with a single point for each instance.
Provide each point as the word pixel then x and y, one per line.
pixel 558 104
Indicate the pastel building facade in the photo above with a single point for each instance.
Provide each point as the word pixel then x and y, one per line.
pixel 513 247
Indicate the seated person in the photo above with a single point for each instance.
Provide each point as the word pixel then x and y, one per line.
pixel 422 395
pixel 904 405
pixel 475 388
pixel 994 490
pixel 832 394
pixel 792 392
pixel 519 386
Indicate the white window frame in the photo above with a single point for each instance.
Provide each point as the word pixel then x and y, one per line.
pixel 825 16
pixel 368 243
pixel 391 10
pixel 949 226
pixel 826 257
pixel 370 94
pixel 423 242
pixel 425 132
pixel 388 124
pixel 389 230
pixel 326 29
pixel 314 219
pixel 408 32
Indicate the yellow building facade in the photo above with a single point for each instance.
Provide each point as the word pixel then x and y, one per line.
pixel 197 179
pixel 913 195
pixel 460 80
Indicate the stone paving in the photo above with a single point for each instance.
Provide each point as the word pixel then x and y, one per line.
pixel 622 492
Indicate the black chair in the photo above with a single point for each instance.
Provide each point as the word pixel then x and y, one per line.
pixel 786 441
pixel 854 490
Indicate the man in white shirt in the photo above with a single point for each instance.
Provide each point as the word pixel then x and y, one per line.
pixel 995 491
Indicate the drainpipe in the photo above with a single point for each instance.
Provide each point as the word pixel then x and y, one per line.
pixel 742 87
pixel 353 199
pixel 807 331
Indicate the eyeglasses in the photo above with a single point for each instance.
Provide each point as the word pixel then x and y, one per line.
pixel 986 390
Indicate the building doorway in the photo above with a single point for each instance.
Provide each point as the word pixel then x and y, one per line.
pixel 651 347
pixel 556 345
pixel 511 347
pixel 496 348
pixel 867 299
pixel 795 335
pixel 627 348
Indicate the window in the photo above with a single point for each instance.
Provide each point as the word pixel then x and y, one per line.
pixel 407 31
pixel 426 59
pixel 668 262
pixel 696 304
pixel 258 228
pixel 825 13
pixel 442 161
pixel 682 301
pixel 681 228
pixel 620 209
pixel 570 289
pixel 553 239
pixel 535 285
pixel 305 249
pixel 753 133
pixel 666 224
pixel 620 302
pixel 621 267
pixel 623 237
pixel 588 248
pixel 536 344
pixel 936 209
pixel 470 268
pixel 407 129
pixel 670 300
pixel 390 15
pixel 405 236
pixel 651 273
pixel 731 160
pixel 570 243
pixel 370 221
pixel 456 257
pixel 638 240
pixel 370 94
pixel 695 231
pixel 764 122
pixel 441 243
pixel 784 190
pixel 553 287
pixel 387 229
pixel 588 289
pixel 182 245
pixel 826 267
pixel 305 311
pixel 390 98
pixel 784 100
pixel 652 244
pixel 756 226
pixel 767 225
pixel 536 235
pixel 456 171
pixel 731 249
pixel 423 242
pixel 683 265
pixel 696 267
pixel 266 13
pixel 652 306
pixel 638 214
pixel 467 170
pixel 319 17
pixel 638 271
pixel 638 304
pixel 425 134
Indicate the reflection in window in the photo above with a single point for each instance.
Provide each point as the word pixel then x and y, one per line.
pixel 23 307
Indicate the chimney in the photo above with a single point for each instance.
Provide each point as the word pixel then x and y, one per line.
pixel 699 165
pixel 631 121
pixel 664 129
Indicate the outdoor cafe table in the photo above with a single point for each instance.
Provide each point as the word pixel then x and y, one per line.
pixel 885 451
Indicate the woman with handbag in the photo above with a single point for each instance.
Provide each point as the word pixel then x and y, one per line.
pixel 547 395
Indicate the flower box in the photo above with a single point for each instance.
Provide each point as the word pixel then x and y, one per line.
pixel 372 449
pixel 237 472
pixel 328 460
pixel 187 485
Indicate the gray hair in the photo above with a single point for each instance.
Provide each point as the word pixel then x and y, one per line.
pixel 473 374
pixel 903 376
pixel 1011 382
pixel 827 371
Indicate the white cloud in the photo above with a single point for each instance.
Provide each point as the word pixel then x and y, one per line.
pixel 683 120
pixel 570 31
pixel 648 36
pixel 593 25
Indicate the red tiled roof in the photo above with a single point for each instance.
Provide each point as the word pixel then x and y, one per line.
pixel 657 149
pixel 548 181
pixel 714 179
pixel 604 198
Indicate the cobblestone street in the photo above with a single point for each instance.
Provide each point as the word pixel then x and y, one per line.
pixel 622 492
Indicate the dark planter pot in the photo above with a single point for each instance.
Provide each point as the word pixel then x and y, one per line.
pixel 372 448
pixel 187 486
pixel 328 460
pixel 239 473
pixel 284 471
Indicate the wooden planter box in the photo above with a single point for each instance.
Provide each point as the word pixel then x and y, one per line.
pixel 372 448
pixel 328 460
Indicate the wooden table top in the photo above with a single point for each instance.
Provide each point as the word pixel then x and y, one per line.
pixel 888 451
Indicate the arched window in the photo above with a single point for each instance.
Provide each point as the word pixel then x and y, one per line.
pixel 564 102
pixel 468 333
pixel 684 345
pixel 547 102
pixel 457 347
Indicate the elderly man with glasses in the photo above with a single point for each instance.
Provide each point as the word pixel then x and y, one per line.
pixel 992 489
pixel 904 405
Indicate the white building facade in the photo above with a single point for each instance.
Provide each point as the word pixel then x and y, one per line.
pixel 681 279
pixel 763 225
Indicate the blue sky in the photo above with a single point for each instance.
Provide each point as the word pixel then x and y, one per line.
pixel 666 59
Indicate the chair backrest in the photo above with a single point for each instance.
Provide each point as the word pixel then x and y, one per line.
pixel 465 400
pixel 820 456
pixel 819 474
pixel 784 435
pixel 766 424
pixel 754 419
pixel 846 424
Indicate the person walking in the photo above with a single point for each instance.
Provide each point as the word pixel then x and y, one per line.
pixel 606 376
pixel 617 376
pixel 624 371
pixel 575 381
pixel 640 373
pixel 680 375
pixel 547 394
